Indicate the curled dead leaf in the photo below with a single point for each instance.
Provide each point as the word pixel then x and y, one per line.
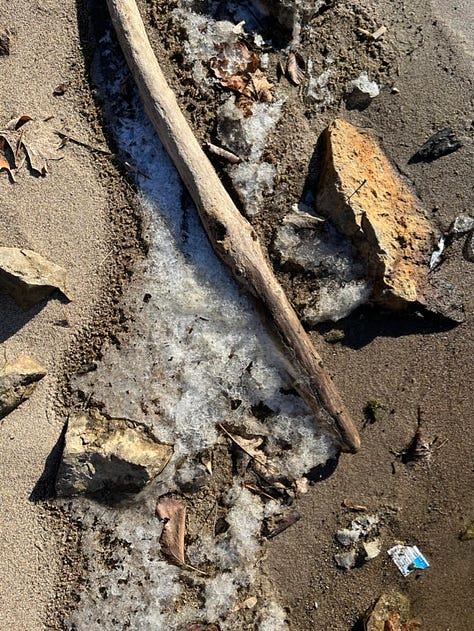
pixel 5 166
pixel 173 512
pixel 295 67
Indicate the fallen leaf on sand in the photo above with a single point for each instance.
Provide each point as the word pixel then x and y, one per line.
pixel 34 139
pixel 173 513
pixel 248 603
pixel 295 67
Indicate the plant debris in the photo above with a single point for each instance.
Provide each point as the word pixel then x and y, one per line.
pixel 284 523
pixel 295 67
pixel 359 508
pixel 468 533
pixel 373 411
pixel 23 138
pixel 223 153
pixel 418 448
pixel 173 512
pixel 237 69
pixel 439 144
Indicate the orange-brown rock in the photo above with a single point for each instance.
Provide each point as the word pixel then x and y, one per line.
pixel 362 195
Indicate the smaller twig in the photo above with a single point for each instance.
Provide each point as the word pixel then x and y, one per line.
pixel 136 170
pixel 256 490
pixel 357 189
pixel 81 143
pixel 195 569
pixel 223 153
pixel 285 523
pixel 354 507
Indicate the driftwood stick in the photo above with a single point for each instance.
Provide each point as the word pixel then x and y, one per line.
pixel 230 233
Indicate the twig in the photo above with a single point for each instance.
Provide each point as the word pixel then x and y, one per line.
pixel 81 143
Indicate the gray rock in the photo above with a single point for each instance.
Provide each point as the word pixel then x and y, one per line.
pixel 108 456
pixel 28 277
pixel 347 537
pixel 346 560
pixel 462 224
pixel 18 379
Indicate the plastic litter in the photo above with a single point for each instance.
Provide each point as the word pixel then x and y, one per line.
pixel 408 559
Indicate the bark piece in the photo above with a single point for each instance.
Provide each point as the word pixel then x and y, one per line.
pixel 18 380
pixel 28 277
pixel 108 456
pixel 233 238
pixel 173 512
pixel 360 192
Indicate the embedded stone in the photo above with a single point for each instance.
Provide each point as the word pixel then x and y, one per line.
pixel 108 456
pixel 18 379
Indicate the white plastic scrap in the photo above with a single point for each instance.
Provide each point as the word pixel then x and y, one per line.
pixel 436 256
pixel 408 559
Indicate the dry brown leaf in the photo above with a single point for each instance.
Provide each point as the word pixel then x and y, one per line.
pixel 295 67
pixel 5 166
pixel 251 447
pixel 237 83
pixel 233 59
pixel 35 139
pixel 260 87
pixel 173 513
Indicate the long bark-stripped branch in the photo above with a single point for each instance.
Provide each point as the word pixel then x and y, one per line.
pixel 230 233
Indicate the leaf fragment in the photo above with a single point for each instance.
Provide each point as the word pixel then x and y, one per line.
pixel 173 512
pixel 295 67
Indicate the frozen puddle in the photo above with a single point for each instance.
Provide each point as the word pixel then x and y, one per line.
pixel 197 355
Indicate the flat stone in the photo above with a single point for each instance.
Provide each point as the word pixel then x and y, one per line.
pixel 18 379
pixel 361 193
pixel 108 456
pixel 28 277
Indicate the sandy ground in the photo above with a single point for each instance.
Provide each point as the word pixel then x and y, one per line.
pixel 66 216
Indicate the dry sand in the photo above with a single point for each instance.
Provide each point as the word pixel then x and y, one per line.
pixel 65 217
